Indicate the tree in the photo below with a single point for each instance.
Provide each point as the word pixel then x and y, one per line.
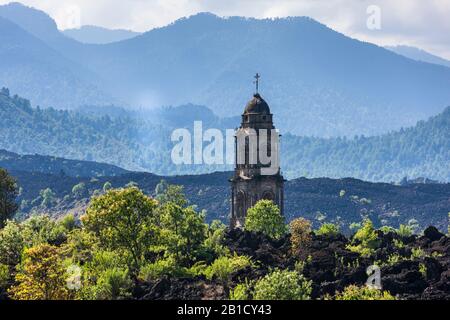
pixel 265 217
pixel 79 190
pixel 8 194
pixel 123 219
pixel 283 285
pixel 107 186
pixel 48 197
pixel 12 243
pixel 300 233
pixel 183 230
pixel 42 276
pixel 365 240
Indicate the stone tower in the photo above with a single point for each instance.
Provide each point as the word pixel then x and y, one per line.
pixel 253 180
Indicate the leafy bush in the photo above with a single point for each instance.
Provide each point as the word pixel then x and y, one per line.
pixel 387 229
pixel 240 292
pixel 4 275
pixel 42 276
pixel 265 217
pixel 113 284
pixel 12 243
pixel 328 229
pixel 283 285
pixel 162 267
pixel 354 292
pixel 214 239
pixel 68 222
pixel 404 231
pixel 365 240
pixel 417 253
pixel 223 267
pixel 300 233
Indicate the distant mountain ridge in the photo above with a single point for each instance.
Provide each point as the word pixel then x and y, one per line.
pixel 419 55
pixel 56 166
pixel 99 35
pixel 317 81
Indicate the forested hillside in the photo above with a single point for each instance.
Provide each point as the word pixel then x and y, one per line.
pixel 420 151
pixel 140 140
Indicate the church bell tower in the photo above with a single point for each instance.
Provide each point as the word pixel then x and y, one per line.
pixel 255 177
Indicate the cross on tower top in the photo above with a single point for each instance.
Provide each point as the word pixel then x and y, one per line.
pixel 257 76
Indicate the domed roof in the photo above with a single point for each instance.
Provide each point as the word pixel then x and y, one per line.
pixel 257 105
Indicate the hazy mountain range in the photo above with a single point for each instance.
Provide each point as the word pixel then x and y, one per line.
pixel 317 81
pixel 99 35
pixel 419 55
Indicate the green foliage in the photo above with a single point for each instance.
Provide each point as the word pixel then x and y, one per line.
pixel 417 253
pixel 223 267
pixel 328 229
pixel 4 275
pixel 48 197
pixel 404 231
pixel 123 220
pixel 423 269
pixel 12 243
pixel 81 245
pixel 183 231
pixel 42 276
pixel 113 284
pixel 214 239
pixel 8 194
pixel 365 240
pixel 242 291
pixel 387 229
pixel 79 190
pixel 265 217
pixel 282 285
pixel 68 222
pixel 107 186
pixel 300 233
pixel 354 292
pixel 163 267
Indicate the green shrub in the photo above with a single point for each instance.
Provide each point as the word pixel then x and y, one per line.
pixel 265 217
pixel 417 253
pixel 365 240
pixel 162 267
pixel 240 292
pixel 328 229
pixel 223 267
pixel 354 292
pixel 4 275
pixel 68 222
pixel 300 233
pixel 113 284
pixel 387 229
pixel 404 231
pixel 282 285
pixel 214 240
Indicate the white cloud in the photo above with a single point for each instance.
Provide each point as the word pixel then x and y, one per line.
pixel 425 24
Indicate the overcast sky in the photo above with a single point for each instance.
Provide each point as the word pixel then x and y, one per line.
pixel 421 23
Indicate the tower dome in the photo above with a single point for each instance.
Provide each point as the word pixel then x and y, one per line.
pixel 257 105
